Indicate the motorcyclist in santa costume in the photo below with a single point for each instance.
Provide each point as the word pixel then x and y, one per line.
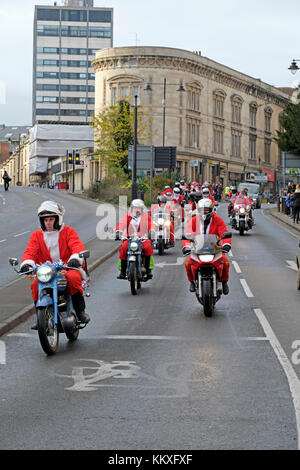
pixel 206 221
pixel 56 241
pixel 162 204
pixel 137 220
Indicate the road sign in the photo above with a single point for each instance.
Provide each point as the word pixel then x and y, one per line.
pixel 143 157
pixel 261 178
pixel 194 163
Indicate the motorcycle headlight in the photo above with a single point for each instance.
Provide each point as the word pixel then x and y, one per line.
pixel 44 273
pixel 134 246
pixel 160 221
pixel 242 210
pixel 167 223
pixel 206 258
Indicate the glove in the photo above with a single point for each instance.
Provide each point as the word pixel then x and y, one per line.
pixel 26 268
pixel 186 250
pixel 73 263
pixel 226 248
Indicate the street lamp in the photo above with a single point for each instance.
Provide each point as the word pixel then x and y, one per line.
pixel 180 89
pixel 294 67
pixel 134 185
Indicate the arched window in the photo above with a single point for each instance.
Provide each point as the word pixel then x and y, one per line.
pixel 252 114
pixel 236 108
pixel 218 100
pixel 268 116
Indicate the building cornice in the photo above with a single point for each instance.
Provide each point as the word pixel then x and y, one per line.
pixel 109 59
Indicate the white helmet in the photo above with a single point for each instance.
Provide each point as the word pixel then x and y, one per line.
pixel 51 209
pixel 205 192
pixel 205 208
pixel 137 205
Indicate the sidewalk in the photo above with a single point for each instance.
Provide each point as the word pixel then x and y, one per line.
pixel 283 218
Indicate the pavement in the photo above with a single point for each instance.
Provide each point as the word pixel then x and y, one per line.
pixel 284 220
pixel 14 313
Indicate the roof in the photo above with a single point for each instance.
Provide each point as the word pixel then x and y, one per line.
pixel 12 132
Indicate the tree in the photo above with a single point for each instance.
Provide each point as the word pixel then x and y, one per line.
pixel 114 132
pixel 289 138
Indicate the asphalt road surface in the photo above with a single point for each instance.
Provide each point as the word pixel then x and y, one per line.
pixel 151 372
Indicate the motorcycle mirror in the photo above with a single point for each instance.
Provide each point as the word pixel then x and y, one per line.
pixel 13 261
pixel 226 235
pixel 84 254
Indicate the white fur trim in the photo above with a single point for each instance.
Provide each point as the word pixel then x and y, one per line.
pixel 76 256
pixel 28 261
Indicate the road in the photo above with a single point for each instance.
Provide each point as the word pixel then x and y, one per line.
pixel 151 372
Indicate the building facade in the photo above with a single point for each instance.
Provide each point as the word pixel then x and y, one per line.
pixel 223 119
pixel 65 41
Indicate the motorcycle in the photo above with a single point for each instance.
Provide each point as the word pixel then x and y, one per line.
pixel 54 307
pixel 161 240
pixel 136 270
pixel 241 220
pixel 206 250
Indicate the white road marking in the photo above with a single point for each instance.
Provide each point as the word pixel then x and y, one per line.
pixel 246 288
pixel 1 241
pixel 22 335
pixel 179 262
pixel 292 265
pixel 236 267
pixel 171 338
pixel 292 377
pixel 2 353
pixel 230 253
pixel 19 234
pixel 3 200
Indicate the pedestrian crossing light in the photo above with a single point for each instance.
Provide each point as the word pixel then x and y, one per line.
pixel 77 158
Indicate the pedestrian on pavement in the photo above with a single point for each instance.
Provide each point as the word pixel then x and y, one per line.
pixel 6 179
pixel 295 198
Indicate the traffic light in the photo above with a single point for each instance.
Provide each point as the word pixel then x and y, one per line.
pixel 77 158
pixel 70 158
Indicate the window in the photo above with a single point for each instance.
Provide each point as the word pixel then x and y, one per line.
pixel 47 50
pixel 133 62
pixel 73 15
pixel 267 150
pixel 218 133
pixel 193 98
pixel 73 112
pixel 46 112
pixel 47 87
pixel 47 30
pixel 47 14
pixel 252 114
pixel 236 108
pixel 219 98
pixel 46 74
pixel 125 91
pixel 268 116
pixel 252 147
pixel 236 137
pixel 136 91
pixel 103 32
pixel 101 16
pixel 193 132
pixel 114 96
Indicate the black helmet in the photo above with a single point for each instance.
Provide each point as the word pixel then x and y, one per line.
pixel 161 199
pixel 195 196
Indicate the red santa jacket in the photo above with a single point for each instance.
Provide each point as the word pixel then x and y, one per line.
pixel 216 227
pixel 37 252
pixel 144 227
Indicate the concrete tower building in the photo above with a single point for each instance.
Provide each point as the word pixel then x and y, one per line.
pixel 66 38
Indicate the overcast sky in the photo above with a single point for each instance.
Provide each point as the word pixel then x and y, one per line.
pixel 256 37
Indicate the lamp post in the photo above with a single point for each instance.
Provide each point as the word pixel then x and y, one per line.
pixel 294 67
pixel 180 89
pixel 134 184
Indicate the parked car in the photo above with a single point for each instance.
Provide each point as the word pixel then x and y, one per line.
pixel 253 192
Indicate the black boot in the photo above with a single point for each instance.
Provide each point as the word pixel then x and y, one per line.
pixel 122 274
pixel 35 326
pixel 192 287
pixel 225 287
pixel 148 270
pixel 79 307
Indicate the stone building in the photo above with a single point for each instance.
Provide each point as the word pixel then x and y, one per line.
pixel 222 117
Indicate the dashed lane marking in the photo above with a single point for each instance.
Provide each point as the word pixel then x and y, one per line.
pixel 236 267
pixel 292 265
pixel 246 288
pixel 19 234
pixel 2 353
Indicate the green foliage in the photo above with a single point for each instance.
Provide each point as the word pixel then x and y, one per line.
pixel 114 132
pixel 289 138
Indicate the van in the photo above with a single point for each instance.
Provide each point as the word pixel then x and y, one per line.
pixel 253 192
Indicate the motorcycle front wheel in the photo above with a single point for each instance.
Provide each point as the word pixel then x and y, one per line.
pixel 47 330
pixel 242 227
pixel 208 304
pixel 160 246
pixel 135 284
